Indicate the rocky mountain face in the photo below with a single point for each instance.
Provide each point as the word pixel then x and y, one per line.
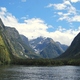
pixel 18 47
pixel 47 48
pixel 73 51
pixel 25 39
pixel 63 46
pixel 12 45
pixel 38 44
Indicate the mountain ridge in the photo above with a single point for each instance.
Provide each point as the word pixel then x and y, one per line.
pixel 40 45
pixel 14 45
pixel 74 49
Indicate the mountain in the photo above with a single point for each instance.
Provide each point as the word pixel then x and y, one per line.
pixel 4 54
pixel 38 44
pixel 51 50
pixel 25 39
pixel 74 49
pixel 63 46
pixel 26 42
pixel 12 45
pixel 17 46
pixel 47 48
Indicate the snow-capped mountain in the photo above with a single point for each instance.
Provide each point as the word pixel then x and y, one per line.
pixel 47 48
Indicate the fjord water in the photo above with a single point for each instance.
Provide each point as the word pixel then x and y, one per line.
pixel 40 73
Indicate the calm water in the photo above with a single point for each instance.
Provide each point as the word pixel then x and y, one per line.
pixel 40 73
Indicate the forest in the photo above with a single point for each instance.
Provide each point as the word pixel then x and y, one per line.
pixel 46 62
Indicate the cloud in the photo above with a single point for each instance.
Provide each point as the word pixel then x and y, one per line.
pixel 59 6
pixel 7 17
pixel 65 36
pixel 23 0
pixel 35 27
pixel 74 1
pixel 66 11
pixel 76 18
pixel 3 9
pixel 25 17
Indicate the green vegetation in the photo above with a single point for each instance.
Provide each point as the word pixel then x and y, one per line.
pixel 45 62
pixel 4 55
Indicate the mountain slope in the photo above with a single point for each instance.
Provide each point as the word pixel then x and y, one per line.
pixel 13 45
pixel 74 50
pixel 46 47
pixel 63 46
pixel 26 42
pixel 25 39
pixel 52 50
pixel 17 46
pixel 4 54
pixel 38 44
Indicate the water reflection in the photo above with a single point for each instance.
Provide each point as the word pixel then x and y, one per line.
pixel 40 73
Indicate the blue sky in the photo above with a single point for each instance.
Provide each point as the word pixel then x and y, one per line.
pixel 58 19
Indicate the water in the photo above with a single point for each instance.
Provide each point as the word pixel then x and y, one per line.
pixel 40 73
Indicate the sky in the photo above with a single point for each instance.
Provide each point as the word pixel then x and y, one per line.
pixel 57 19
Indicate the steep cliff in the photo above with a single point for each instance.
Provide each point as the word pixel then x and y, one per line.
pixel 12 45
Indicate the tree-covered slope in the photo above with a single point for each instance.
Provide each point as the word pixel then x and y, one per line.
pixel 4 54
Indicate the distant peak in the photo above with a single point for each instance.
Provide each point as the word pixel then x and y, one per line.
pixel 50 40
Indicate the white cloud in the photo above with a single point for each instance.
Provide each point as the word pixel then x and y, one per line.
pixel 7 17
pixel 23 0
pixel 59 6
pixel 66 11
pixel 76 18
pixel 63 35
pixel 74 1
pixel 35 27
pixel 25 17
pixel 71 15
pixel 50 5
pixel 3 9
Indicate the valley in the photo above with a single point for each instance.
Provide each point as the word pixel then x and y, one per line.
pixel 17 49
